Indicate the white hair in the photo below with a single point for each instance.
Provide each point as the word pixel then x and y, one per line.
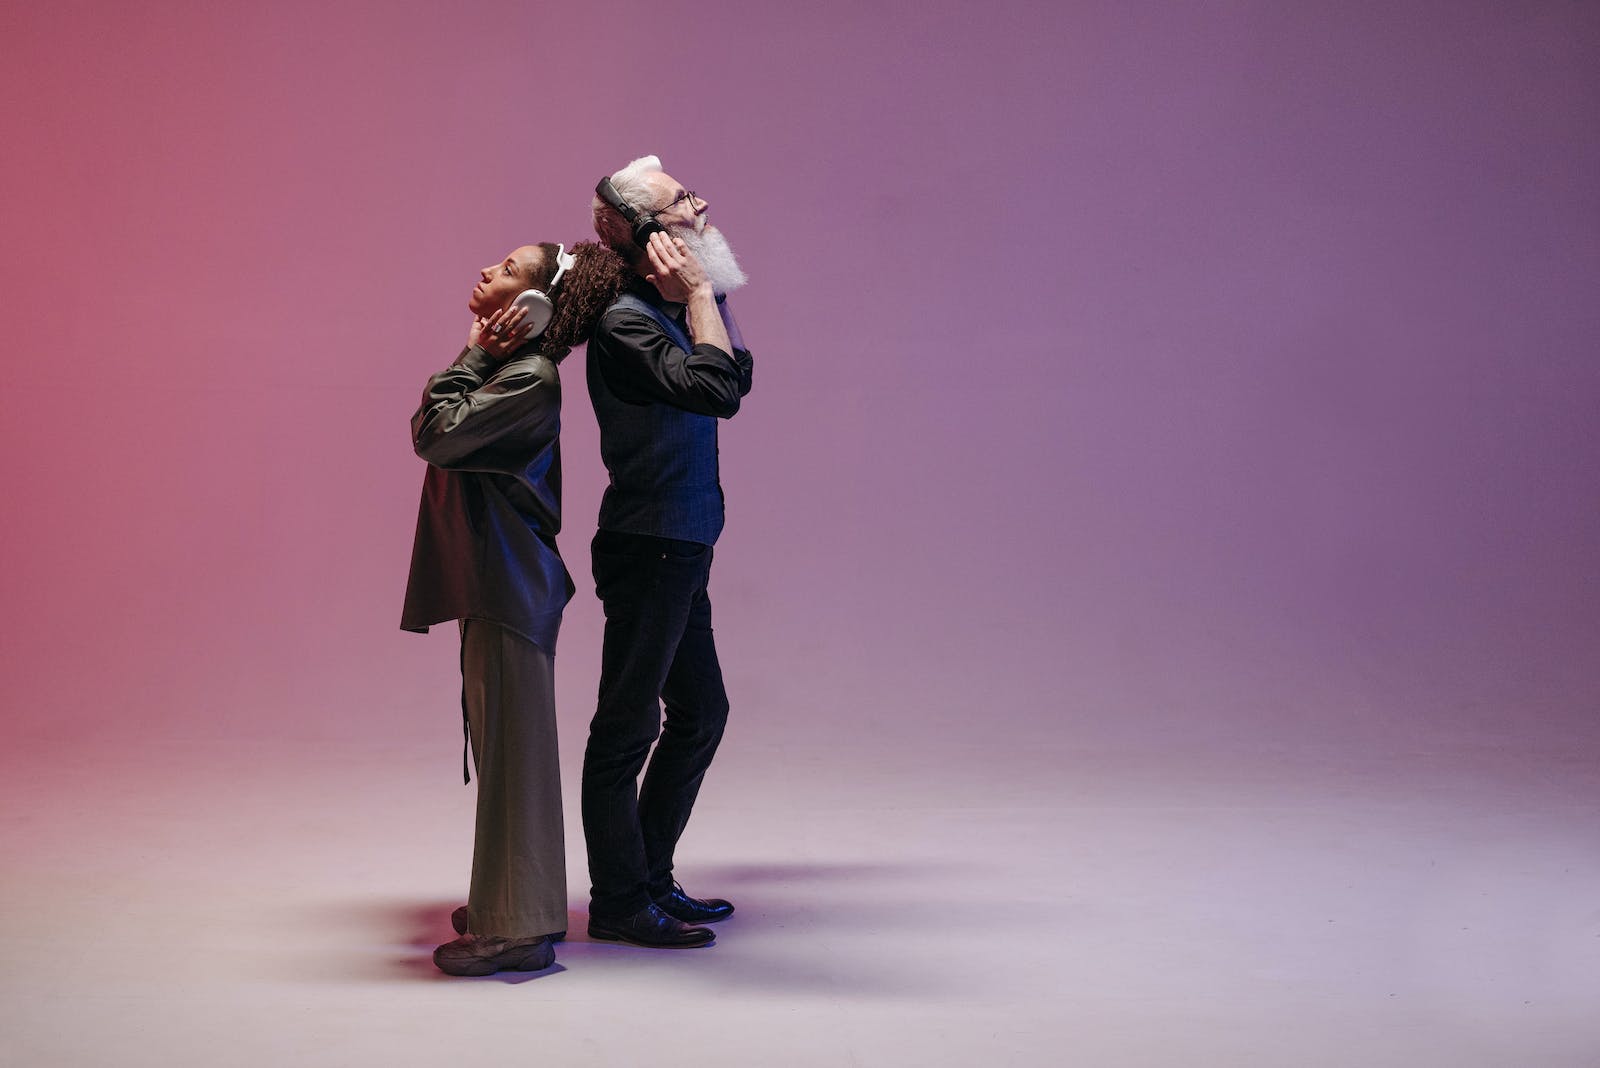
pixel 630 183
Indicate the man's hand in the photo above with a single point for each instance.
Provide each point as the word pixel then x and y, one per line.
pixel 677 273
pixel 499 334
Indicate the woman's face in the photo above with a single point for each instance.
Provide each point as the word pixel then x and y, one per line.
pixel 500 283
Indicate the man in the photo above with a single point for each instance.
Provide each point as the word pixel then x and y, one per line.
pixel 664 364
pixel 485 554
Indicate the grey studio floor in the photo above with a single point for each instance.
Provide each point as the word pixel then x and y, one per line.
pixel 1083 901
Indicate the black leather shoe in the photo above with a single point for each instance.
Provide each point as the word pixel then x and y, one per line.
pixel 458 920
pixel 652 928
pixel 680 906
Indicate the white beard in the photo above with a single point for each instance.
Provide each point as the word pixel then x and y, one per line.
pixel 715 255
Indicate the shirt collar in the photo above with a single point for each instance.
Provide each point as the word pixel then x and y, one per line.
pixel 650 295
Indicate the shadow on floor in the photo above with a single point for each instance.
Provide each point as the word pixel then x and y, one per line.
pixel 798 928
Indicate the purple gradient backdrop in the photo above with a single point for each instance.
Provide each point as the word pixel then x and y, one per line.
pixel 1196 372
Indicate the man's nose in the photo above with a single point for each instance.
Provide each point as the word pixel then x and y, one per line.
pixel 699 205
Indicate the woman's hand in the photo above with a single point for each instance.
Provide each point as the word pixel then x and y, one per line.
pixel 501 333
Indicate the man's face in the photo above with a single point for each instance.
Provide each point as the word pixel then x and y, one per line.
pixel 686 217
pixel 683 210
pixel 500 283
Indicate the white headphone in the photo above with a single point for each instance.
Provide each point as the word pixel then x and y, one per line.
pixel 539 307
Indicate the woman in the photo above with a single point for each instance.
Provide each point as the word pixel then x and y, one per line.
pixel 485 554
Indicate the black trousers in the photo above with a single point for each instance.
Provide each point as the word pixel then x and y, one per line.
pixel 658 649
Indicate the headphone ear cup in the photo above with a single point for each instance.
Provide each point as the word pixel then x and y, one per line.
pixel 646 227
pixel 538 311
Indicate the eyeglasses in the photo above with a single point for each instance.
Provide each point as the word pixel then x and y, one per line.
pixel 687 194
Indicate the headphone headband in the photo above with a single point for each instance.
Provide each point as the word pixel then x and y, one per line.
pixel 564 263
pixel 608 193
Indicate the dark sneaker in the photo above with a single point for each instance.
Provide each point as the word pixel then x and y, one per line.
pixel 472 955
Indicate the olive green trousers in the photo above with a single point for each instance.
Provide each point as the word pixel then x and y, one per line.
pixel 519 857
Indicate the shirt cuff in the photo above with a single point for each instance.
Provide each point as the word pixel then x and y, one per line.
pixel 707 349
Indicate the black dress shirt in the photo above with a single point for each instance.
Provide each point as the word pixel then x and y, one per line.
pixel 641 363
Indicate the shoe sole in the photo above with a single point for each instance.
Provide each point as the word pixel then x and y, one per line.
pixel 608 936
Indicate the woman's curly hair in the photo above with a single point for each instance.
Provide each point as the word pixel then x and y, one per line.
pixel 586 290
